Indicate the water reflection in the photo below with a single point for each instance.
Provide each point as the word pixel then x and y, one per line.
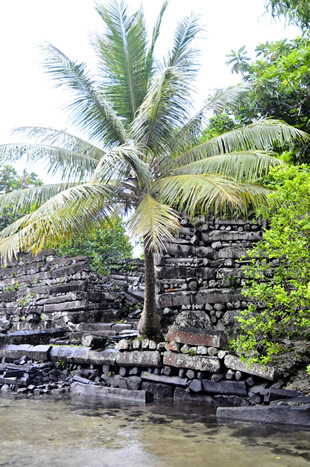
pixel 49 432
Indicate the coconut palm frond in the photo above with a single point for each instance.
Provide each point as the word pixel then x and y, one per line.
pixel 60 138
pixel 69 213
pixel 122 52
pixel 201 194
pixel 262 135
pixel 72 165
pixel 18 201
pixel 245 165
pixel 91 110
pixel 228 99
pixel 155 222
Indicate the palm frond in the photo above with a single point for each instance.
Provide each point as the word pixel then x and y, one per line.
pixel 69 213
pixel 121 163
pixel 202 194
pixel 262 135
pixel 241 166
pixel 155 222
pixel 122 52
pixel 72 165
pixel 60 138
pixel 29 198
pixel 91 110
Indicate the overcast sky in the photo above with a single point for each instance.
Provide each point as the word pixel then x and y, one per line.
pixel 27 94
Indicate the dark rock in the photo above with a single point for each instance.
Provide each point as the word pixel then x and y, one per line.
pixel 182 395
pixel 175 380
pixel 111 393
pixel 195 385
pixel 134 383
pixel 230 401
pixel 190 374
pixel 159 390
pixel 224 387
pixel 280 415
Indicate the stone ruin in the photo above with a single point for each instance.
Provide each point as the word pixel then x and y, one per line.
pixel 48 303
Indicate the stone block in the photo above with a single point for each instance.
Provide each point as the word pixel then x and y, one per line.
pixel 175 380
pixel 39 352
pixel 102 392
pixel 230 401
pixel 193 362
pixel 204 337
pixel 182 395
pixel 147 358
pixel 159 391
pixel 231 253
pixel 67 306
pixel 212 296
pixel 13 352
pixel 224 387
pixel 280 415
pixel 195 385
pixel 134 383
pixel 234 363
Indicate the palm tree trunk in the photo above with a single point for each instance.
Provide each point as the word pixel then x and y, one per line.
pixel 149 324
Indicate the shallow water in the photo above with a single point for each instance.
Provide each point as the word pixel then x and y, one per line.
pixel 74 432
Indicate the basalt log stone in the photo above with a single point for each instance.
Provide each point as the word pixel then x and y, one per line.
pixel 234 363
pixel 194 362
pixel 145 359
pixel 205 337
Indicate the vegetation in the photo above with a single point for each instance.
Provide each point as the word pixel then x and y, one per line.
pixel 278 274
pixel 295 11
pixel 145 157
pixel 10 180
pixel 103 247
pixel 280 85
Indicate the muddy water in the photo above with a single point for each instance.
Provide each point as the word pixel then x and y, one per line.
pixel 61 433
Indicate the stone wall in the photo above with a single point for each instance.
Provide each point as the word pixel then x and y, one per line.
pixel 200 276
pixel 45 291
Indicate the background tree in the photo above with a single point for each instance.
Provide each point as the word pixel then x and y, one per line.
pixel 295 11
pixel 278 274
pixel 280 86
pixel 145 158
pixel 103 247
pixel 10 180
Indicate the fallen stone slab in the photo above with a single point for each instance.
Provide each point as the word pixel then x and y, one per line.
pixel 35 337
pixel 193 362
pixel 39 352
pixel 182 395
pixel 13 352
pixel 281 415
pixel 77 355
pixel 175 380
pixel 276 393
pixel 146 359
pixel 224 387
pixel 110 393
pixel 205 337
pixel 234 363
pixel 230 401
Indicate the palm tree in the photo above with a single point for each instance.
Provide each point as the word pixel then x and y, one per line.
pixel 145 158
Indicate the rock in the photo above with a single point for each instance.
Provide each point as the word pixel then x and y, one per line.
pixel 195 385
pixel 147 358
pixel 182 395
pixel 111 393
pixel 191 319
pixel 175 380
pixel 173 346
pixel 136 344
pixel 122 345
pixel 193 362
pixel 234 363
pixel 224 387
pixel 230 401
pixel 134 383
pixel 212 351
pixel 230 374
pixel 201 337
pixel 276 393
pixel 238 375
pixel 159 391
pixel 167 370
pixel 280 415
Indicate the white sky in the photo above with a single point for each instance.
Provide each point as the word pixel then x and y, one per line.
pixel 27 93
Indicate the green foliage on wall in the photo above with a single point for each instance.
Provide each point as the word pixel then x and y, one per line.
pixel 278 273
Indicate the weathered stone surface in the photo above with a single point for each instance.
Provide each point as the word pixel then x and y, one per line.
pixel 182 395
pixel 194 362
pixel 277 393
pixel 205 337
pixel 134 383
pixel 234 363
pixel 195 385
pixel 34 337
pixel 110 393
pixel 231 252
pixel 147 358
pixel 224 236
pixel 159 390
pixel 217 296
pixel 39 352
pixel 175 380
pixel 13 352
pixel 197 319
pixel 225 387
pixel 282 415
pixel 230 401
pixel 105 357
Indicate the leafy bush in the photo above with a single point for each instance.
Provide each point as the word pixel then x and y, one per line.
pixel 278 272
